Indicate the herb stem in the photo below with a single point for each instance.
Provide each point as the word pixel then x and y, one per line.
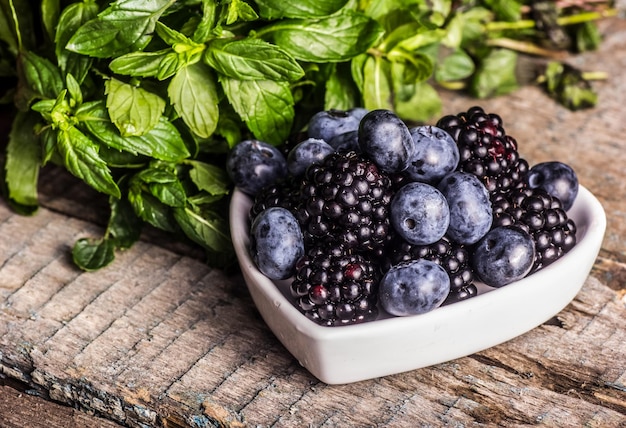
pixel 525 24
pixel 525 47
pixel 595 75
pixel 586 16
pixel 16 21
pixel 522 24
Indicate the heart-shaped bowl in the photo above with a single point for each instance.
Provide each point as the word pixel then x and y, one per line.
pixel 390 345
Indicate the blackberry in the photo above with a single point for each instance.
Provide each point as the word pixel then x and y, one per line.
pixel 450 255
pixel 284 193
pixel 541 215
pixel 485 149
pixel 346 199
pixel 334 286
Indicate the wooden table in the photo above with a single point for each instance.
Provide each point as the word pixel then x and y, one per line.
pixel 159 339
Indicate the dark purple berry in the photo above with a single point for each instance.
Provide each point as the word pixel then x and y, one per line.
pixel 413 287
pixel 276 242
pixel 253 165
pixel 386 139
pixel 420 213
pixel 556 178
pixel 470 209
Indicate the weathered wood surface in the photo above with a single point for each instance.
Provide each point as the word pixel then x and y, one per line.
pixel 21 410
pixel 159 339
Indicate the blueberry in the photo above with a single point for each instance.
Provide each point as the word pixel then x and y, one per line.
pixel 556 178
pixel 358 112
pixel 471 213
pixel 436 154
pixel 503 255
pixel 308 152
pixel 276 242
pixel 386 139
pixel 413 287
pixel 348 141
pixel 326 124
pixel 419 213
pixel 254 164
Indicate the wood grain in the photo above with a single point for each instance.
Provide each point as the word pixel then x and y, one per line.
pixel 158 339
pixel 22 410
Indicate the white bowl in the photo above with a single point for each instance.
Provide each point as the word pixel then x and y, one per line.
pixel 345 354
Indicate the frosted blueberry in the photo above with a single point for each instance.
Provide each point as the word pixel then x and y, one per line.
pixel 471 213
pixel 276 242
pixel 308 152
pixel 326 124
pixel 413 287
pixel 358 112
pixel 348 141
pixel 503 255
pixel 556 178
pixel 254 164
pixel 419 213
pixel 436 154
pixel 386 139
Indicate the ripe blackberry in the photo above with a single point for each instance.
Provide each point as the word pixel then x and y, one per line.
pixel 485 149
pixel 541 215
pixel 346 199
pixel 450 255
pixel 335 287
pixel 284 193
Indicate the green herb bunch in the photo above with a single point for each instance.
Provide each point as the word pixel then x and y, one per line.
pixel 142 100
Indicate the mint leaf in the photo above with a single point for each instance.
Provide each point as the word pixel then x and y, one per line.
pixel 422 106
pixel 410 68
pixel 50 11
pixel 334 38
pixel 377 86
pixel 173 37
pixel 424 37
pixel 193 93
pixel 251 59
pixel 125 26
pixel 91 254
pixel 132 109
pixel 124 225
pixel 142 64
pixel 48 145
pixel 209 178
pixel 23 161
pixel 341 93
pixel 80 157
pixel 240 10
pixel 163 185
pixel 566 85
pixel 266 106
pixel 495 74
pixel 42 77
pixel 456 66
pixel 74 90
pixel 150 209
pixel 206 228
pixel 506 10
pixel 272 9
pixel 162 142
pixel 72 17
pixel 587 37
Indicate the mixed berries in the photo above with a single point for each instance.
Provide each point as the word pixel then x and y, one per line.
pixel 367 215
